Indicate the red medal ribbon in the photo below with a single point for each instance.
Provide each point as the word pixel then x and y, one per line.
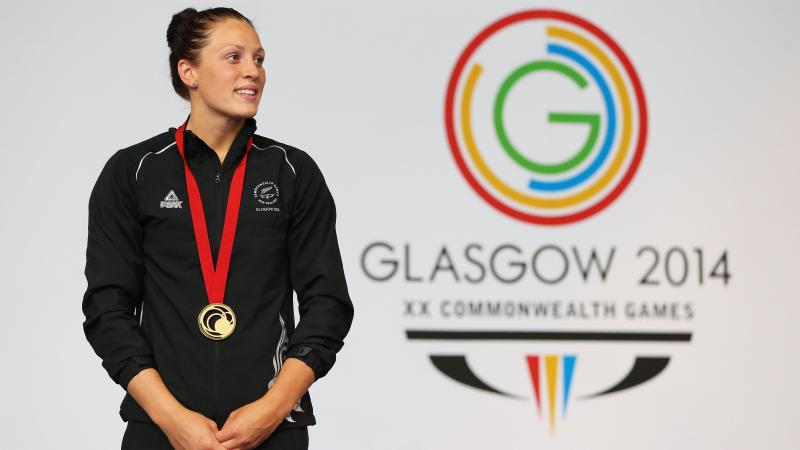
pixel 214 279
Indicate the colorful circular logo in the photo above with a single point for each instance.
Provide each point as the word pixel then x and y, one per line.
pixel 546 117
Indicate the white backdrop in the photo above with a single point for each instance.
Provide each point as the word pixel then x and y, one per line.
pixel 361 86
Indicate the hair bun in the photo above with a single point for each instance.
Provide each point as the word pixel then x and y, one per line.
pixel 179 23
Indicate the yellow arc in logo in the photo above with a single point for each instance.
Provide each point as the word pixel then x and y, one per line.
pixel 600 184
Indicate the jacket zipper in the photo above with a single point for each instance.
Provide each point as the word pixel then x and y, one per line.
pixel 220 215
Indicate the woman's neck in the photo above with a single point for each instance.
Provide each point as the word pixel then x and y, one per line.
pixel 218 132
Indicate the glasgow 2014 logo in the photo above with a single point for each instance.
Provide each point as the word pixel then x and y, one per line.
pixel 575 77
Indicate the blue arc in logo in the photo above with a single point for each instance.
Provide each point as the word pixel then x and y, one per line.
pixel 611 113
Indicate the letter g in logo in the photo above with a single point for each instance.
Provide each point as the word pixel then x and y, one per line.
pixel 546 192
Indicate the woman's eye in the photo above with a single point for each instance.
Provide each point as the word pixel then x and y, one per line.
pixel 233 56
pixel 259 60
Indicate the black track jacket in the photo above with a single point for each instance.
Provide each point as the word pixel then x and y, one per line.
pixel 145 286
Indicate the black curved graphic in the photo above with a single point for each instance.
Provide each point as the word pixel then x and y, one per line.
pixel 644 369
pixel 456 367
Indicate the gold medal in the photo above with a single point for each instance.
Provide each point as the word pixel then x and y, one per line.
pixel 216 321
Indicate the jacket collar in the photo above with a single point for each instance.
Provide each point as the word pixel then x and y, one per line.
pixel 195 147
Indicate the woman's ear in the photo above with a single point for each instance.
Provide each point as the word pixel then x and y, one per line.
pixel 187 73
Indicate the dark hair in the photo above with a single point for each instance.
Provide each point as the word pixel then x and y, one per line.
pixel 187 34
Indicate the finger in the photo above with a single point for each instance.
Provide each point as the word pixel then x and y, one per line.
pixel 226 434
pixel 227 427
pixel 231 441
pixel 230 444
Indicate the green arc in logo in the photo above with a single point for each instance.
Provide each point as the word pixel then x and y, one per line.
pixel 593 120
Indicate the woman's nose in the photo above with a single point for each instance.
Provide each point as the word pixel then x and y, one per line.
pixel 251 69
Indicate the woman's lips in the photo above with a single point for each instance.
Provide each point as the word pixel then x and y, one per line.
pixel 247 94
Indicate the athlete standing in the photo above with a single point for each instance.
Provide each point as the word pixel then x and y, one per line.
pixel 197 238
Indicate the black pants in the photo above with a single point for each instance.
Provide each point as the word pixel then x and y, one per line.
pixel 147 436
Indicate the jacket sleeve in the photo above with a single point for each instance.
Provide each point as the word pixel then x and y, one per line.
pixel 114 268
pixel 316 272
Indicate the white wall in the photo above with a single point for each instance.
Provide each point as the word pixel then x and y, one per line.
pixel 361 87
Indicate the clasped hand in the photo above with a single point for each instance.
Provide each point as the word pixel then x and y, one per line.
pixel 245 429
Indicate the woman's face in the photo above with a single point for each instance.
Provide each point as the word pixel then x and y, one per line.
pixel 230 74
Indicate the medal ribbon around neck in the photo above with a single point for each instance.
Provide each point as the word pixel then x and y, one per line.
pixel 216 320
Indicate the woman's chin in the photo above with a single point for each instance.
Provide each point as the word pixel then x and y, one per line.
pixel 241 111
pixel 249 110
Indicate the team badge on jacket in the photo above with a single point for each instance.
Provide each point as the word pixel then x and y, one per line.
pixel 266 193
pixel 171 200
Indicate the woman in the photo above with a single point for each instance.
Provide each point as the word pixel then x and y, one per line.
pixel 197 238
